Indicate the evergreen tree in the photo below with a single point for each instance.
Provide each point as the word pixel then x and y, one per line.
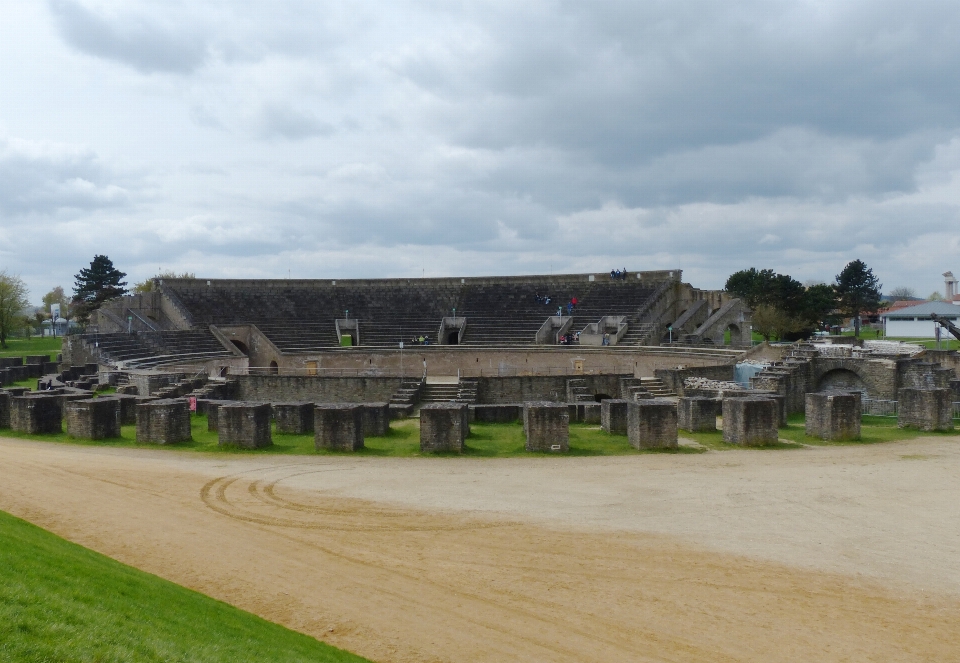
pixel 858 291
pixel 97 284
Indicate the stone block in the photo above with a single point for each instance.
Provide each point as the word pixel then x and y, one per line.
pixel 245 425
pixel 93 419
pixel 925 409
pixel 750 421
pixel 7 362
pixel 497 414
pixel 584 413
pixel 127 405
pixel 613 415
pixel 833 416
pixel 547 426
pixel 652 424
pixel 376 419
pixel 5 398
pixel 164 421
pixel 211 407
pixel 49 368
pixel 36 414
pixel 697 413
pixel 443 427
pixel 338 426
pixel 955 388
pixel 293 418
pixel 18 391
pixel 37 359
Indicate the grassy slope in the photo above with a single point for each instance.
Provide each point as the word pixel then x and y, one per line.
pixel 61 602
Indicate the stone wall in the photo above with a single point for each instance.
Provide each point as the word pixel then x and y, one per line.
pixel 673 378
pixel 698 413
pixel 750 421
pixel 613 416
pixel 315 389
pixel 496 414
pixel 443 427
pixel 165 421
pixel 293 418
pixel 652 424
pixel 338 426
pixel 376 419
pixel 36 414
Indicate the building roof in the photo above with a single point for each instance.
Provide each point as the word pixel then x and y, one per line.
pixel 925 309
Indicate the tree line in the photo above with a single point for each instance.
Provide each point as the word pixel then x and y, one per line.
pixel 786 309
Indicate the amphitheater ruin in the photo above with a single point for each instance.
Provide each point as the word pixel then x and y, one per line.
pixel 496 346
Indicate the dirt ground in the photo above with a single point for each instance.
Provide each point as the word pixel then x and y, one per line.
pixel 829 554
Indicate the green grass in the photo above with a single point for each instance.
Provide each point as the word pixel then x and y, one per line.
pixel 485 441
pixel 35 345
pixel 60 602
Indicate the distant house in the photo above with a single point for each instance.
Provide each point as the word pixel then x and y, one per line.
pixel 915 322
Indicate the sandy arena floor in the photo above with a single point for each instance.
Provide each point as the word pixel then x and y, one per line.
pixel 819 554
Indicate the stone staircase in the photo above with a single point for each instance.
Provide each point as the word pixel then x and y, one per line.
pixel 440 393
pixel 467 392
pixel 655 387
pixel 577 391
pixel 634 389
pixel 405 398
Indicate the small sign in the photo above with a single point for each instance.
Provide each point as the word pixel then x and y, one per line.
pixel 193 403
pixel 401 345
pixel 554 447
pixel 55 311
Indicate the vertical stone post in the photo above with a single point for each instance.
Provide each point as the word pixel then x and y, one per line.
pixel 93 419
pixel 338 426
pixel 652 424
pixel 443 427
pixel 36 414
pixel 697 413
pixel 244 425
pixel 293 418
pixel 376 419
pixel 926 409
pixel 613 415
pixel 833 416
pixel 547 426
pixel 163 421
pixel 127 405
pixel 750 422
pixel 5 398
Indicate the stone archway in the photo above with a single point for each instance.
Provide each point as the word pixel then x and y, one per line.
pixel 241 346
pixel 841 379
pixel 274 369
pixel 732 334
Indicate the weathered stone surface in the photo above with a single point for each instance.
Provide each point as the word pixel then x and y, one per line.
pixel 833 416
pixel 93 419
pixel 652 424
pixel 338 426
pixel 613 415
pixel 443 427
pixel 36 414
pixel 128 407
pixel 245 425
pixel 926 409
pixel 750 421
pixel 547 426
pixel 5 398
pixel 293 418
pixel 698 414
pixel 376 419
pixel 496 414
pixel 213 420
pixel 165 421
pixel 584 413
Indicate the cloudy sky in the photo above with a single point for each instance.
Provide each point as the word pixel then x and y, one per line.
pixel 325 139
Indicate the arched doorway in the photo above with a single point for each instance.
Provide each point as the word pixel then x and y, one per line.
pixel 241 346
pixel 453 338
pixel 274 369
pixel 841 379
pixel 731 335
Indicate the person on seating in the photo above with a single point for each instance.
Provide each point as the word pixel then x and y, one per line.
pixel 573 301
pixel 624 273
pixel 422 339
pixel 546 300
pixel 613 273
pixel 569 308
pixel 606 339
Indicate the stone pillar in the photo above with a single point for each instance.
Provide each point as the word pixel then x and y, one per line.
pixel 213 419
pixel 697 414
pixel 584 413
pixel 547 426
pixel 93 419
pixel 652 424
pixel 833 416
pixel 613 415
pixel 244 425
pixel 293 418
pixel 338 426
pixel 443 427
pixel 376 419
pixel 36 414
pixel 127 405
pixel 164 421
pixel 5 398
pixel 750 421
pixel 926 409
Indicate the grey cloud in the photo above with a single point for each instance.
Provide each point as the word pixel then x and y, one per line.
pixel 146 44
pixel 284 121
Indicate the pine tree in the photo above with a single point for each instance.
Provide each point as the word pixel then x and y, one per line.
pixel 93 286
pixel 858 291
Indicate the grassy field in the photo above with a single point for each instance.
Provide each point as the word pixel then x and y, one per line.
pixel 60 602
pixel 488 440
pixel 35 345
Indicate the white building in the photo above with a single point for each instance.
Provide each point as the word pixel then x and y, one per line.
pixel 915 322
